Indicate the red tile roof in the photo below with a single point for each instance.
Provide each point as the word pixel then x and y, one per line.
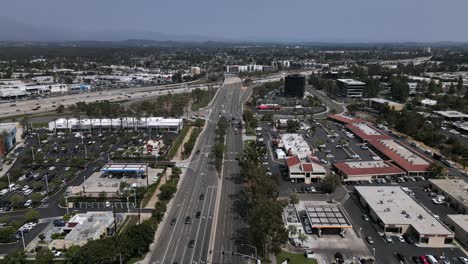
pixel 398 160
pixel 307 167
pixel 362 135
pixel 293 161
pixel 345 119
pixel 382 171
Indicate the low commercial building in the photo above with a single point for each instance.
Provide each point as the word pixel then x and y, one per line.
pixel 7 93
pixel 366 132
pixel 345 119
pixel 380 104
pixel 366 170
pixel 295 144
pixel 397 213
pixel 452 115
pixel 83 228
pixel 401 155
pixel 317 217
pixel 164 124
pixel 7 137
pixel 455 191
pixel 350 88
pixel 307 171
pixel 459 224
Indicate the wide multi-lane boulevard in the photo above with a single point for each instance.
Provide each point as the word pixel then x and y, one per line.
pixel 173 240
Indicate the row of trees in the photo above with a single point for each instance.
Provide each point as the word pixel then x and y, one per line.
pixel 190 144
pixel 264 209
pixel 219 146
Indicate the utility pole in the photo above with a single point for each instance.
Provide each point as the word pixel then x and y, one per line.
pixel 32 151
pixel 47 183
pixel 66 202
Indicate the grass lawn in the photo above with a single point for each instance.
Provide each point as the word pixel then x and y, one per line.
pixel 294 258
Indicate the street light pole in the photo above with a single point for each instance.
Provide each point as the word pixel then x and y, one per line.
pixel 47 183
pixel 22 238
pixel 255 248
pixel 66 202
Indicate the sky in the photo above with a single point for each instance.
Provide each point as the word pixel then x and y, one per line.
pixel 254 20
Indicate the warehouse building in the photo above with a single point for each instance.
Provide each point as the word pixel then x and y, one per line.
pixel 397 213
pixel 366 170
pixel 294 85
pixel 350 88
pixel 403 156
pixel 164 124
pixel 455 191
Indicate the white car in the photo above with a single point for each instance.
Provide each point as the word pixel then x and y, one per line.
pixel 107 204
pixel 323 161
pixel 28 203
pixel 437 201
pixel 25 188
pixel 401 239
pixel 463 260
pixel 27 192
pixel 330 156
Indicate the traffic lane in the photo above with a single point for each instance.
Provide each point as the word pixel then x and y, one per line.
pixel 181 203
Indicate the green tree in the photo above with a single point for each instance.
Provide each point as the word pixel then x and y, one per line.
pixel 435 169
pixel 4 219
pixel 16 257
pixel 330 183
pixel 293 126
pixel 36 197
pixel 6 233
pixel 292 230
pixel 32 215
pixel 167 190
pixel 294 199
pixel 460 84
pixel 44 256
pixel 268 117
pixel 60 109
pixel 17 200
pixel 41 236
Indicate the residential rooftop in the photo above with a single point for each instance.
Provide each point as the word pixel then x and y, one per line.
pixel 451 114
pixel 395 207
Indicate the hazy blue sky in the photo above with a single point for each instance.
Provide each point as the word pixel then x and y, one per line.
pixel 311 20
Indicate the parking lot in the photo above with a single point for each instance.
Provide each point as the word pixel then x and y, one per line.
pixel 48 161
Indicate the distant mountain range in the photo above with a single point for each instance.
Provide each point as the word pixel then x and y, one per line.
pixel 14 31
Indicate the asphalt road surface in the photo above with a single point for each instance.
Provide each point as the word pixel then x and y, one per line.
pixel 172 245
pixel 46 104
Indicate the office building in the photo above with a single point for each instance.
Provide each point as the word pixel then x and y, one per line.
pixel 294 85
pixel 307 170
pixel 7 137
pixel 366 170
pixel 459 224
pixel 380 104
pixel 350 88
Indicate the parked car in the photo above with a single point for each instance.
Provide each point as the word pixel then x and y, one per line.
pixel 370 240
pixel 339 257
pixel 365 217
pixel 401 239
pixel 28 203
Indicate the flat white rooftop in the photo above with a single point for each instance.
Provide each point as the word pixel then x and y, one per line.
pixel 460 220
pixel 451 114
pixel 296 145
pixel 367 164
pixel 351 82
pixel 403 152
pixel 395 207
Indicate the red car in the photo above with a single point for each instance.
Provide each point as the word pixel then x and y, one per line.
pixel 424 259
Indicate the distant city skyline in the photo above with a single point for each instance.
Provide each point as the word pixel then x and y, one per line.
pixel 242 20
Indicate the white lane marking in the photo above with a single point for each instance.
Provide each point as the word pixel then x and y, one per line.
pixel 172 235
pixel 206 224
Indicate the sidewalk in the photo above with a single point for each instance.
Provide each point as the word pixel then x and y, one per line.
pixel 154 198
pixel 178 155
